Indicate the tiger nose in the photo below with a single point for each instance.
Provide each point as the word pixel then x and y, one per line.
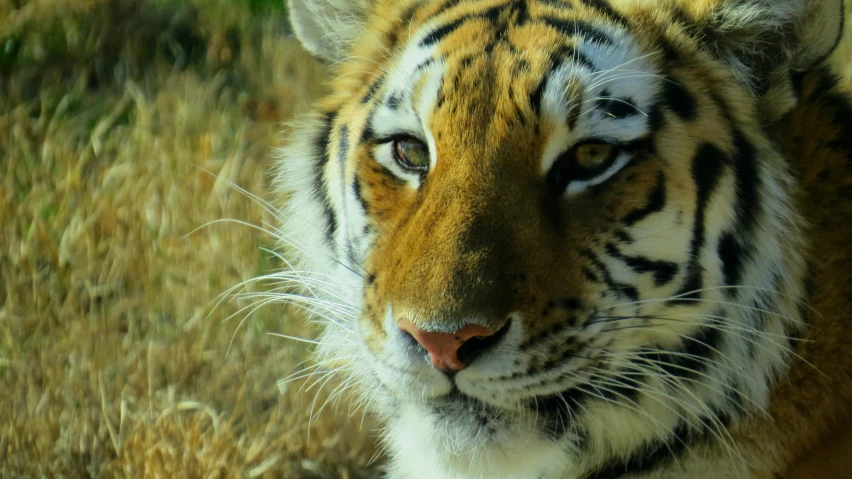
pixel 443 348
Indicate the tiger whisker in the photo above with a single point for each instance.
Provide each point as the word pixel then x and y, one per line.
pixel 295 299
pixel 741 336
pixel 623 64
pixel 682 297
pixel 291 301
pixel 328 377
pixel 618 100
pixel 711 415
pixel 305 340
pixel 716 324
pixel 637 355
pixel 637 409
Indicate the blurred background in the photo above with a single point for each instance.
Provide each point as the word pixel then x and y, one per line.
pixel 122 123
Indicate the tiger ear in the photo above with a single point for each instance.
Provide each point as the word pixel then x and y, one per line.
pixel 768 41
pixel 327 28
pixel 818 32
pixel 797 33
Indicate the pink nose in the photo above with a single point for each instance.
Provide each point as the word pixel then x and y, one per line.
pixel 443 348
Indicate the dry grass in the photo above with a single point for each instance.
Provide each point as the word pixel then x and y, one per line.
pixel 110 111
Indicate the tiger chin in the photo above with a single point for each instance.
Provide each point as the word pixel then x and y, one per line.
pixel 581 239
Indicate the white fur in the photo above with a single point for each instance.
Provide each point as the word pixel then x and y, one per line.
pixel 425 446
pixel 622 68
pixel 327 28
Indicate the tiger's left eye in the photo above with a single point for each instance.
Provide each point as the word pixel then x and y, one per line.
pixel 411 154
pixel 593 156
pixel 583 162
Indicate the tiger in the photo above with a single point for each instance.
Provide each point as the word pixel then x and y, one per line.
pixel 580 239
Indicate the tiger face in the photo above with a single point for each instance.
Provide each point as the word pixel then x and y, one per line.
pixel 554 238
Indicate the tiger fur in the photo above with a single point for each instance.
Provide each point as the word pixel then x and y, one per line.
pixel 679 310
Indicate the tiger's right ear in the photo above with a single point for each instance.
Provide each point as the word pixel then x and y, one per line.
pixel 327 28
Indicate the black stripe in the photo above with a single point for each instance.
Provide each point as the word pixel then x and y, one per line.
pixel 604 8
pixel 747 183
pixel 650 456
pixel 439 33
pixel 692 358
pixel 707 167
pixel 568 53
pixel 558 411
pixel 519 112
pixel 679 100
pixel 571 28
pixel 492 15
pixel 656 203
pixel 367 134
pixel 422 66
pixel 557 4
pixel 371 92
pixel 521 12
pixel 571 304
pixel 356 188
pixel 700 31
pixel 393 101
pixel 405 19
pixel 450 4
pixel 731 254
pixel 562 54
pixel 663 271
pixel 655 118
pixel 797 80
pixel 732 251
pixel 616 107
pixel 623 237
pixel 322 154
pixel 590 275
pixel 535 96
pixel 622 289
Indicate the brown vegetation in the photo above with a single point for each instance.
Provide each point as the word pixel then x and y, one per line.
pixel 121 124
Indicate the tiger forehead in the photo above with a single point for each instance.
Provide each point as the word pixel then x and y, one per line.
pixel 543 29
pixel 526 62
pixel 508 13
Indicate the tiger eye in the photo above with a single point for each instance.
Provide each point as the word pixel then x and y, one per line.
pixel 411 154
pixel 593 155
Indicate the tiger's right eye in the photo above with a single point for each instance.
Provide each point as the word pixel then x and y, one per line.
pixel 593 156
pixel 411 154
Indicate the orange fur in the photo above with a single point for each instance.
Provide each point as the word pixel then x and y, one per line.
pixel 481 237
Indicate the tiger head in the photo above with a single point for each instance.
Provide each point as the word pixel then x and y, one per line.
pixel 552 236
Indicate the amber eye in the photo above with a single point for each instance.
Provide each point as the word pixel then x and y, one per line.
pixel 585 161
pixel 411 154
pixel 593 156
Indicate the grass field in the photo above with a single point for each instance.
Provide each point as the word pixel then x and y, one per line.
pixel 121 123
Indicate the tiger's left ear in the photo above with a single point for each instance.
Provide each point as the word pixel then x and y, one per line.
pixel 818 32
pixel 768 41
pixel 327 28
